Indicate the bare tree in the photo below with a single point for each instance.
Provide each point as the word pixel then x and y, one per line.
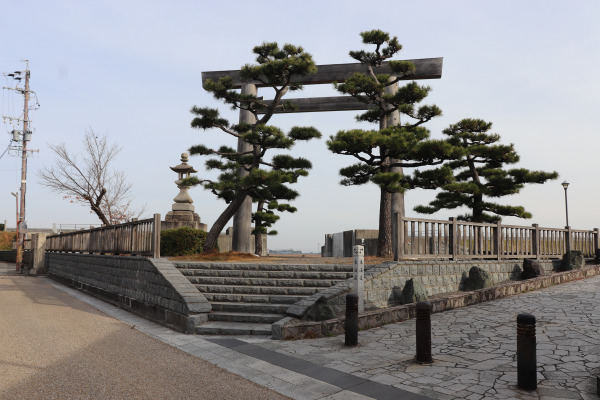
pixel 90 180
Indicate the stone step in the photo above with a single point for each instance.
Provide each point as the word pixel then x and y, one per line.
pixel 266 267
pixel 233 328
pixel 266 308
pixel 264 290
pixel 241 281
pixel 247 317
pixel 333 275
pixel 252 298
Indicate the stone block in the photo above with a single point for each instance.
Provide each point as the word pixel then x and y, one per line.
pixel 531 269
pixel 412 292
pixel 321 310
pixel 478 279
pixel 572 260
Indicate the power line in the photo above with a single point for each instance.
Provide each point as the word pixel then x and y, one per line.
pixel 7 147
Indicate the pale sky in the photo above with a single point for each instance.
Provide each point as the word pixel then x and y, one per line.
pixel 131 70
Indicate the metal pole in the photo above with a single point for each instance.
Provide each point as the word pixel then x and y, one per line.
pixel 566 206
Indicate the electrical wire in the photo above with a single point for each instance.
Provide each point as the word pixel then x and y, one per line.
pixel 7 147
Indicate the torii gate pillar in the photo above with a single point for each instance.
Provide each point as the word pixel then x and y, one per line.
pixel 242 220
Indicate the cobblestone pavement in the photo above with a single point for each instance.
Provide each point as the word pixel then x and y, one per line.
pixel 474 348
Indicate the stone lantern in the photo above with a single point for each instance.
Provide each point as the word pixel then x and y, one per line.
pixel 182 213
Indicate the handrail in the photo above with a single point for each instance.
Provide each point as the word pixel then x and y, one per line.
pixel 134 238
pixel 453 239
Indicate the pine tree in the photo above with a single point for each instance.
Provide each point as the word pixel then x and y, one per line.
pixel 275 69
pixel 380 152
pixel 480 173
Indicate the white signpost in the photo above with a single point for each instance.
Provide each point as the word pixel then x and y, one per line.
pixel 359 276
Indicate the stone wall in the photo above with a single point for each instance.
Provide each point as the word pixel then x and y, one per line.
pixel 437 276
pixel 150 287
pixel 292 328
pixel 340 244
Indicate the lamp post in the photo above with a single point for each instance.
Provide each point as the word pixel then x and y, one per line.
pixel 17 225
pixel 565 185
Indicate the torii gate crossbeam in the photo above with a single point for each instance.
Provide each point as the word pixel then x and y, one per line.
pixel 425 68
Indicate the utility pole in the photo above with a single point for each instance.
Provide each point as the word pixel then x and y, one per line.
pixel 25 137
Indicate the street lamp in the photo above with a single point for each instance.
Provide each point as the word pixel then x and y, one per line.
pixel 565 185
pixel 17 225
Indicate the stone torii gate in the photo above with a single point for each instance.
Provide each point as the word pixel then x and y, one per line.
pixel 425 68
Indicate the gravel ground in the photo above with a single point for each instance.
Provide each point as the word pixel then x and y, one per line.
pixel 53 346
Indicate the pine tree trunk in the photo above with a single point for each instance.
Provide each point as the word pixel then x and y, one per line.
pixel 477 208
pixel 384 241
pixel 258 248
pixel 217 228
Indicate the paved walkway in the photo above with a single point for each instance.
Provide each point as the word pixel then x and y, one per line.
pixel 473 350
pixel 53 346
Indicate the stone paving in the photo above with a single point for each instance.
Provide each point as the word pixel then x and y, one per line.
pixel 474 348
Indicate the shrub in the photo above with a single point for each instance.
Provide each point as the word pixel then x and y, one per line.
pixel 6 239
pixel 182 241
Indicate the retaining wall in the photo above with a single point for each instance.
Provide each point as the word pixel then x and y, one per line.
pixel 11 256
pixel 8 255
pixel 437 276
pixel 291 328
pixel 150 287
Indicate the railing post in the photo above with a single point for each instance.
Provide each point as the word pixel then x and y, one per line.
pixel 399 254
pixel 101 233
pixel 535 241
pixel 454 239
pixel 498 241
pixel 596 246
pixel 132 237
pixel 156 237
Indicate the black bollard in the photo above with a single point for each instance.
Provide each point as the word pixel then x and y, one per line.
pixel 526 353
pixel 424 333
pixel 351 324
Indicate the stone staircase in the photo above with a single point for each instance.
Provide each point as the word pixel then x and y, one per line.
pixel 247 299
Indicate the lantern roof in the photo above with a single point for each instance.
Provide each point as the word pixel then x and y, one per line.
pixel 184 167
